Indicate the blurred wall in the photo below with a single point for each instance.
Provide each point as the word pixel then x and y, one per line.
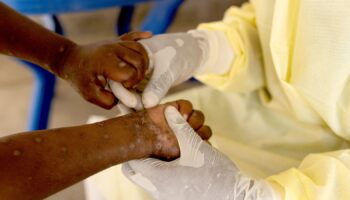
pixel 100 24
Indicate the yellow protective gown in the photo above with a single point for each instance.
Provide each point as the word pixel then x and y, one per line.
pixel 284 104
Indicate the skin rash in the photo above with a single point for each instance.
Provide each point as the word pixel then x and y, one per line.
pixel 37 164
pixel 34 165
pixel 86 67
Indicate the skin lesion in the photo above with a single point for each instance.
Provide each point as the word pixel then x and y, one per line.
pixel 165 145
pixel 40 163
pixel 17 152
pixel 64 156
pixel 38 140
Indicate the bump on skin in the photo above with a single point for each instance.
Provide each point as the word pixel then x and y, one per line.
pixel 122 64
pixel 123 152
pixel 64 149
pixel 38 139
pixel 4 140
pixel 139 141
pixel 105 136
pixel 158 146
pixel 16 153
pixel 100 124
pixel 101 78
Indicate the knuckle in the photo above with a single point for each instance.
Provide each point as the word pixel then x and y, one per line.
pixel 183 101
pixel 139 47
pixel 138 63
pixel 187 102
pixel 107 106
pixel 199 114
pixel 207 131
pixel 91 99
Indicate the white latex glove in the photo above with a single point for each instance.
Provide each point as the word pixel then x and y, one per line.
pixel 128 98
pixel 174 58
pixel 202 172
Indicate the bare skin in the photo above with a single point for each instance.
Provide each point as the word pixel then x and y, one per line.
pixel 86 67
pixel 37 164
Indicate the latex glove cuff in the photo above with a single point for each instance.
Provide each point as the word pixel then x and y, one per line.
pixel 218 54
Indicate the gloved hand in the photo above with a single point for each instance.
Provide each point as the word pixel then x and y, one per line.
pixel 174 58
pixel 202 172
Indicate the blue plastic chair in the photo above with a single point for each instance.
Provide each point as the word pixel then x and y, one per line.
pixel 158 20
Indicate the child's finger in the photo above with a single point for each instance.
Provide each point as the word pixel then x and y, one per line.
pixel 135 46
pixel 205 132
pixel 123 72
pixel 118 70
pixel 136 36
pixel 138 48
pixel 185 108
pixel 101 80
pixel 102 97
pixel 134 59
pixel 196 119
pixel 132 82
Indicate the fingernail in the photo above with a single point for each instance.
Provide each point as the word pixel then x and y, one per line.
pixel 102 79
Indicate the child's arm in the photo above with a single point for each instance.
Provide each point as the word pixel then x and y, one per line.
pixel 23 38
pixel 37 164
pixel 87 67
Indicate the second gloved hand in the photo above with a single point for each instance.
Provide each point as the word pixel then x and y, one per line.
pixel 174 58
pixel 202 172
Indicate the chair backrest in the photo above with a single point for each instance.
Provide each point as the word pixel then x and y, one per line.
pixel 40 7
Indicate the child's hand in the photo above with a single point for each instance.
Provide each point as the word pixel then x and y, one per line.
pixel 164 143
pixel 88 67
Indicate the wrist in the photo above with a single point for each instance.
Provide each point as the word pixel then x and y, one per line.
pixel 140 138
pixel 65 57
pixel 150 134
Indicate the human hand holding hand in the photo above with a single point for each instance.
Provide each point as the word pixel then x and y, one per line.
pixel 164 142
pixel 173 59
pixel 202 172
pixel 88 67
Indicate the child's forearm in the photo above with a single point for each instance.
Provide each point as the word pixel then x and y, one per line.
pixel 36 164
pixel 23 38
